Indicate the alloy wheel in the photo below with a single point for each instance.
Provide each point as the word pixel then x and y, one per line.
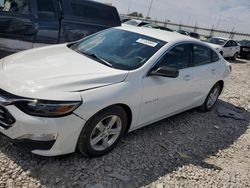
pixel 213 97
pixel 105 133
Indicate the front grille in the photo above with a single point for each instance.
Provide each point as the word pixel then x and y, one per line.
pixel 6 119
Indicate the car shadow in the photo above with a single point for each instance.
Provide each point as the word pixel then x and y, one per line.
pixel 239 61
pixel 144 155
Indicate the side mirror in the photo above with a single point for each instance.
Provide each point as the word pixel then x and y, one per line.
pixel 165 71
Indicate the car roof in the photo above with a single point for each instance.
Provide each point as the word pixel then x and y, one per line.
pixel 159 34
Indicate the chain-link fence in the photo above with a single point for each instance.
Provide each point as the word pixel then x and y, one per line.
pixel 204 32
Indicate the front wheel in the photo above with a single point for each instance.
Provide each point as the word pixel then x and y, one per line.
pixel 102 132
pixel 211 98
pixel 235 56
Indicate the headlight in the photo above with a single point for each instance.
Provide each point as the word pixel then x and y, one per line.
pixel 246 49
pixel 44 108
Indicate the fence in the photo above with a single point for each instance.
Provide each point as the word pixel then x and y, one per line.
pixel 205 32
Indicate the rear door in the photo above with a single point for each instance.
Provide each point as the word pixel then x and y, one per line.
pixel 83 18
pixel 227 49
pixel 204 70
pixel 48 19
pixel 235 48
pixel 18 25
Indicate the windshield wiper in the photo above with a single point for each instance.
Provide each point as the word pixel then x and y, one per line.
pixel 95 56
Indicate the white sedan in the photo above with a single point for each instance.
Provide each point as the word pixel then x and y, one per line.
pixel 86 95
pixel 226 47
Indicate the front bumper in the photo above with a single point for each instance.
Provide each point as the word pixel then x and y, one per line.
pixel 30 145
pixel 34 132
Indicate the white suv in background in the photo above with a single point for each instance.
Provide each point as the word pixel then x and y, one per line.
pixel 226 47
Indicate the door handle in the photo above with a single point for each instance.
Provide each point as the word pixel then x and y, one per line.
pixel 187 77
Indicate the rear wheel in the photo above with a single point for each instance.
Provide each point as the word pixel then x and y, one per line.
pixel 102 132
pixel 211 99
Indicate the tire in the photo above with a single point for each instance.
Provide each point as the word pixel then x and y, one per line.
pixel 96 138
pixel 235 56
pixel 207 106
pixel 248 57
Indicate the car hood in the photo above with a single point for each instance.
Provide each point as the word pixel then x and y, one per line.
pixel 215 46
pixel 54 69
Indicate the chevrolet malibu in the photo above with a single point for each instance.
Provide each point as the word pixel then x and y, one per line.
pixel 86 95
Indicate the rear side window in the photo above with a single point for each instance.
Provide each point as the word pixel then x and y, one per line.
pixel 201 55
pixel 91 12
pixel 215 57
pixel 178 57
pixel 17 6
pixel 45 8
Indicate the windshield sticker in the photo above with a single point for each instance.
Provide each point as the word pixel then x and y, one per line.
pixel 147 42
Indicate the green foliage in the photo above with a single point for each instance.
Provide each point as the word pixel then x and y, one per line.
pixel 136 14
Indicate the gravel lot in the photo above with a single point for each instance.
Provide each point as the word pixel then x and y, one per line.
pixel 192 149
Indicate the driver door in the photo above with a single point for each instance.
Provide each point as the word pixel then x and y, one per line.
pixel 227 49
pixel 164 96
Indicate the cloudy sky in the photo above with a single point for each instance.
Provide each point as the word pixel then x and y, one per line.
pixel 232 13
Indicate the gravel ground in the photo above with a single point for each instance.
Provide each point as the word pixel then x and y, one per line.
pixel 192 149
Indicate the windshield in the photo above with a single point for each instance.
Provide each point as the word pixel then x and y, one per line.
pixel 218 41
pixel 119 49
pixel 132 22
pixel 150 26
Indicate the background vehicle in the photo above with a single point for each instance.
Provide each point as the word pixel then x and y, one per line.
pixel 154 26
pixel 123 20
pixel 245 49
pixel 88 94
pixel 38 22
pixel 133 22
pixel 226 47
pixel 189 33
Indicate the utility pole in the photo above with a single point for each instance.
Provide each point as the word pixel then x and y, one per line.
pixel 150 7
pixel 129 5
pixel 219 22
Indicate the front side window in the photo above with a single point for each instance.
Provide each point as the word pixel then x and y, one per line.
pixel 234 43
pixel 228 44
pixel 201 55
pixel 15 6
pixel 119 48
pixel 178 58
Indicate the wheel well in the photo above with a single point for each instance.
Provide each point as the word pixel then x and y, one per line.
pixel 128 111
pixel 221 84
